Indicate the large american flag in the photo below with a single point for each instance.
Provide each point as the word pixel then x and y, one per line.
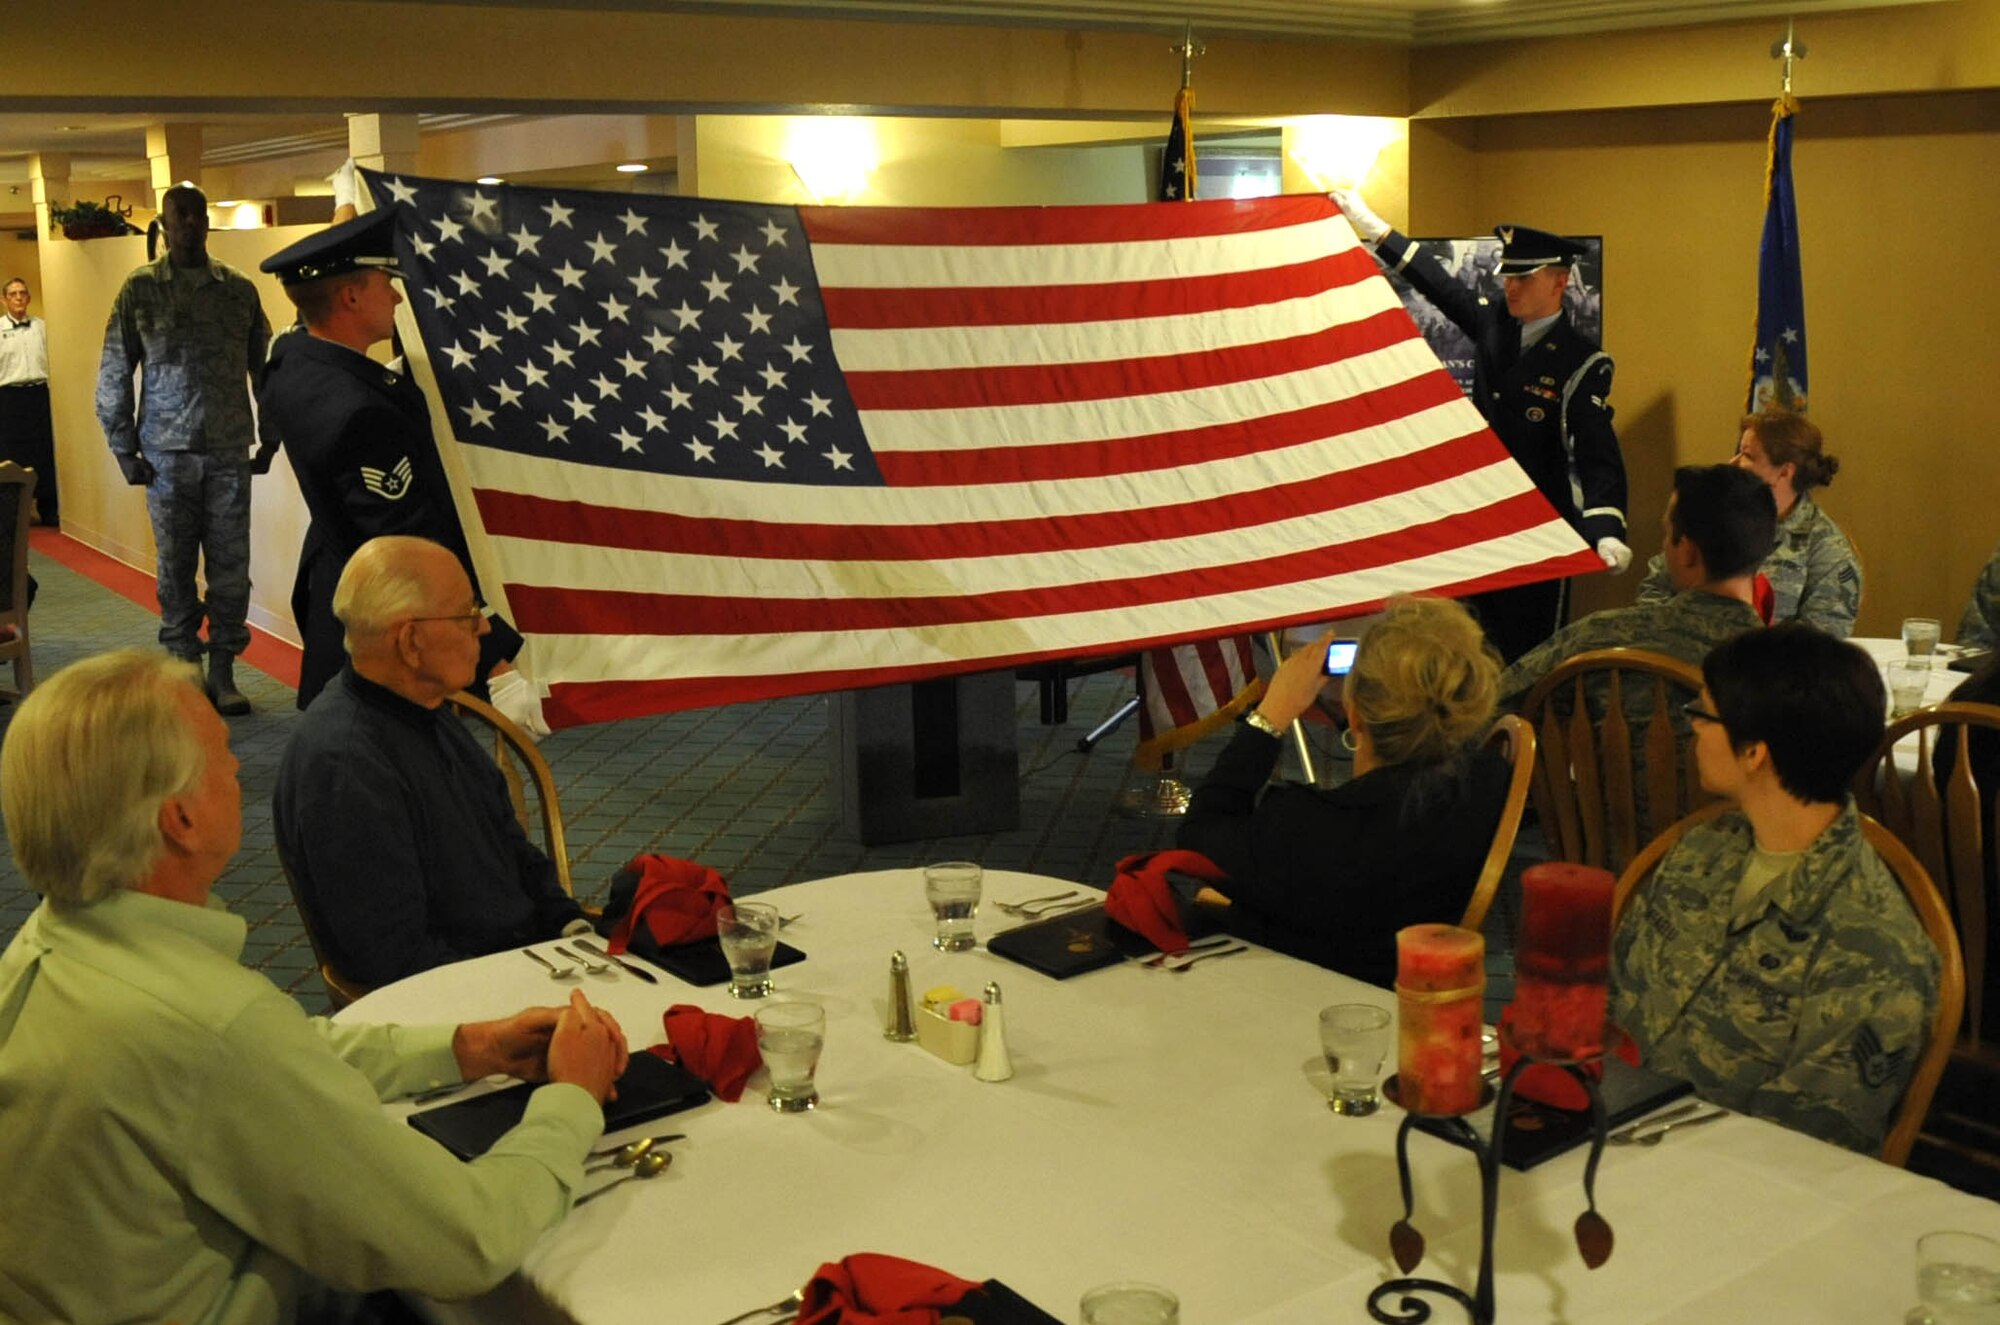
pixel 714 451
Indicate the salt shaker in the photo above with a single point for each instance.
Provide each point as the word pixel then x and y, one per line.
pixel 994 1063
pixel 900 1025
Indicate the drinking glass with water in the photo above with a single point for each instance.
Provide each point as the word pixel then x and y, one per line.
pixel 1355 1039
pixel 790 1036
pixel 952 888
pixel 1958 1280
pixel 749 934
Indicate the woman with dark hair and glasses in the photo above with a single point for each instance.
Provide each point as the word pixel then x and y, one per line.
pixel 1773 960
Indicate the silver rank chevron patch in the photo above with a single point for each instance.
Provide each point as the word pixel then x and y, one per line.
pixel 390 485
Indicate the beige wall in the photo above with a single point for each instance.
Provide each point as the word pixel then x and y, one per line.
pixel 1902 302
pixel 82 278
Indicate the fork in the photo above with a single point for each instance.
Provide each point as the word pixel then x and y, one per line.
pixel 1057 908
pixel 1023 908
pixel 1158 959
pixel 790 1303
pixel 1202 957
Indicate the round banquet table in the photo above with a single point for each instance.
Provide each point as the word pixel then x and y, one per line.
pixel 1164 1127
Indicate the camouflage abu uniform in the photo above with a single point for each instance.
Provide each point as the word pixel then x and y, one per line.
pixel 194 334
pixel 1815 576
pixel 1811 1015
pixel 1981 623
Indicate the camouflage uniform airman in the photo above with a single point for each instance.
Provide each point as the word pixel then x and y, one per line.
pixel 195 335
pixel 1815 576
pixel 1812 1013
pixel 1980 625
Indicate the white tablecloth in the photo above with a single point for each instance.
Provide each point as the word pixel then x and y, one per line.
pixel 1161 1127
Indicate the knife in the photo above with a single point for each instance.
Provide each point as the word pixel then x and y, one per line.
pixel 596 951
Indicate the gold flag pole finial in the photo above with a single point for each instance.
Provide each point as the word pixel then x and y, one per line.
pixel 1789 49
pixel 1188 48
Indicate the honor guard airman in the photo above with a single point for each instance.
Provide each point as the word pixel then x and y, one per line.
pixel 358 431
pixel 1544 388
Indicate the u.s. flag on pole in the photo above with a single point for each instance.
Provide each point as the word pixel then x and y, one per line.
pixel 713 451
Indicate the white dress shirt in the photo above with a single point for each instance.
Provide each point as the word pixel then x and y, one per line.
pixel 24 351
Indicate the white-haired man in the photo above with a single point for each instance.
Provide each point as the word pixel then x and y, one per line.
pixel 396 827
pixel 166 1114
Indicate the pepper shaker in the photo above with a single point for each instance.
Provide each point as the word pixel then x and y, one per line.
pixel 900 1025
pixel 994 1063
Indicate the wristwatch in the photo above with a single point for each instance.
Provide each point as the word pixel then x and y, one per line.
pixel 1263 724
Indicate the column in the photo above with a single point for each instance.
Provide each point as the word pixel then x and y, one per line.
pixel 48 178
pixel 173 153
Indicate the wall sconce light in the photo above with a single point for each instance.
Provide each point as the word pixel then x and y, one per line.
pixel 833 155
pixel 1338 151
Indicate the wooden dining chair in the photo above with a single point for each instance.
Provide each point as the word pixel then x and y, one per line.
pixel 1514 740
pixel 1614 763
pixel 522 764
pixel 1951 824
pixel 17 489
pixel 340 990
pixel 1929 906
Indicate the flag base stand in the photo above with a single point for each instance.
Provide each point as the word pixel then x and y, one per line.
pixel 1156 796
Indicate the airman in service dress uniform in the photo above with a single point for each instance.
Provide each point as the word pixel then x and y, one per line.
pixel 1544 388
pixel 358 431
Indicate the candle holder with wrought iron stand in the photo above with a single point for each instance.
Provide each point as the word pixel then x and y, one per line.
pixel 1593 1234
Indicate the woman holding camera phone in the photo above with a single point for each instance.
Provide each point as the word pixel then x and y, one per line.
pixel 1330 875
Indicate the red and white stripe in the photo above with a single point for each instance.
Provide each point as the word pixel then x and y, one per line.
pixel 1101 428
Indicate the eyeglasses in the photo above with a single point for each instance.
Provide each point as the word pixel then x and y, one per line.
pixel 471 618
pixel 1694 710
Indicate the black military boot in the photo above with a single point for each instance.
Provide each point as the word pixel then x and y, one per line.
pixel 221 687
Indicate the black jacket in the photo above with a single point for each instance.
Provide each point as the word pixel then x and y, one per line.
pixel 1330 876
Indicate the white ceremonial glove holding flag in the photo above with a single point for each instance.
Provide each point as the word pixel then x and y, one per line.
pixel 344 195
pixel 1366 224
pixel 1616 555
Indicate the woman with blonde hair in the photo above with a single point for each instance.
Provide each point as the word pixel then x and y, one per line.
pixel 1331 875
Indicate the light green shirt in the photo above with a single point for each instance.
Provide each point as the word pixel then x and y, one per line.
pixel 181 1142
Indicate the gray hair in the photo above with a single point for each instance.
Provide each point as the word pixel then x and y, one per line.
pixel 92 755
pixel 384 582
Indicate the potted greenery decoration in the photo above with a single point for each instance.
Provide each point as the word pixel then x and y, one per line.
pixel 83 219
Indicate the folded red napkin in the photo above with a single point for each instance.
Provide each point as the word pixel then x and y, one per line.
pixel 1548 1084
pixel 872 1289
pixel 1141 900
pixel 677 900
pixel 721 1050
pixel 1763 597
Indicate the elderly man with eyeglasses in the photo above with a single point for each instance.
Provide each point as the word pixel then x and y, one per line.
pixel 395 826
pixel 1773 960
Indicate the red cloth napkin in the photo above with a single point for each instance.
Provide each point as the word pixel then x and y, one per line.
pixel 1141 899
pixel 676 898
pixel 1763 597
pixel 872 1289
pixel 1548 1084
pixel 720 1050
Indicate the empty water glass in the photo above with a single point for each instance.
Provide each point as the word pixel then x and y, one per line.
pixel 1130 1304
pixel 1958 1280
pixel 749 934
pixel 790 1036
pixel 952 888
pixel 1920 638
pixel 1355 1039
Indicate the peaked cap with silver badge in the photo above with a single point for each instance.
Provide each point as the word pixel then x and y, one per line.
pixel 368 240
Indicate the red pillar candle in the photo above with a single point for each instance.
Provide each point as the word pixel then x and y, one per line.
pixel 1440 978
pixel 1563 961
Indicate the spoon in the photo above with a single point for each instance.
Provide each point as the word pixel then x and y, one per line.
pixel 626 1156
pixel 1593 1231
pixel 589 964
pixel 659 1140
pixel 1204 956
pixel 650 1165
pixel 555 972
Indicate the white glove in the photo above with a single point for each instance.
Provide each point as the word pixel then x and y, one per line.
pixel 343 185
pixel 1616 555
pixel 1366 224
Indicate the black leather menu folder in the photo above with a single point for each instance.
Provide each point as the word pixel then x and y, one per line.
pixel 650 1088
pixel 1070 943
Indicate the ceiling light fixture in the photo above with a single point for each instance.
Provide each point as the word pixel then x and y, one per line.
pixel 489 179
pixel 833 155
pixel 632 168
